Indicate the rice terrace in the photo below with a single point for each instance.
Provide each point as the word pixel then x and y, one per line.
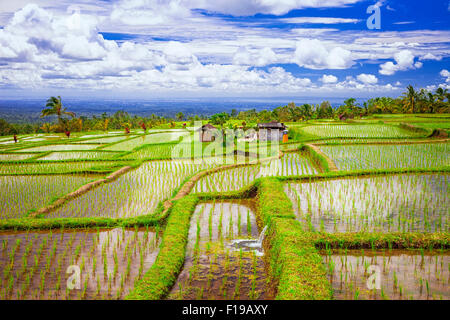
pixel 144 217
pixel 212 157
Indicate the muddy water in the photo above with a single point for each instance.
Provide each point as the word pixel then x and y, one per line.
pixel 213 269
pixel 383 203
pixel 110 261
pixel 403 274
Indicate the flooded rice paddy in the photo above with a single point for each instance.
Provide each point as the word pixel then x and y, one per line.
pixel 92 155
pixel 35 265
pixel 358 131
pixel 214 269
pixel 61 147
pixel 361 157
pixel 403 203
pixel 238 178
pixel 15 157
pixel 20 194
pixel 135 193
pixel 389 274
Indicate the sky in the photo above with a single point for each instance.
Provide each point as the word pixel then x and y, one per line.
pixel 222 48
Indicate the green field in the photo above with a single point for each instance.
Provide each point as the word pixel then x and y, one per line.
pixel 354 157
pixel 160 224
pixel 357 131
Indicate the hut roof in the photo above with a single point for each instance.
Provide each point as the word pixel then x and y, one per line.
pixel 272 125
pixel 207 126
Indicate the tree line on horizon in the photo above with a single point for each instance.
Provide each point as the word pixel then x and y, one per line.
pixel 412 101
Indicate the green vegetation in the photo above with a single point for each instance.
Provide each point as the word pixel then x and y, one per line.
pixel 355 157
pixel 19 195
pixel 358 131
pixel 162 275
pixel 364 185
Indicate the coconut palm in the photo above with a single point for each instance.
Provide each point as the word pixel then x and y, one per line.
pixel 180 116
pixel 441 93
pixel 410 98
pixel 55 107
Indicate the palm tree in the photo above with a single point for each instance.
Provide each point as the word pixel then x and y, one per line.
pixel 410 97
pixel 441 94
pixel 180 116
pixel 306 111
pixel 54 107
pixel 431 101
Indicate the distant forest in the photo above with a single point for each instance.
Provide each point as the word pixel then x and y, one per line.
pixel 56 118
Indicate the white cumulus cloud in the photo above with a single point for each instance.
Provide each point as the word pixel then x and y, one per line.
pixel 327 79
pixel 404 61
pixel 367 78
pixel 446 74
pixel 318 20
pixel 277 7
pixel 149 12
pixel 258 58
pixel 313 54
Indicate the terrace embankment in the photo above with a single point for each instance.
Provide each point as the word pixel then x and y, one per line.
pixel 81 191
pixel 320 157
pixel 295 267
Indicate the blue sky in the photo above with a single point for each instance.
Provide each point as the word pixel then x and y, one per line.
pixel 222 48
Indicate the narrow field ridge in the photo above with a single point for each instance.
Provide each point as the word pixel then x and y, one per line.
pixel 331 165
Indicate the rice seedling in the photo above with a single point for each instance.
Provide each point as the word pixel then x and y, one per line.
pixel 94 155
pixel 404 274
pixel 15 157
pixel 213 268
pixel 105 140
pixel 134 143
pixel 61 147
pixel 355 157
pixel 150 152
pixel 21 194
pixel 403 203
pixel 363 141
pixel 442 124
pixel 42 270
pixel 357 131
pixel 238 178
pixel 58 167
pixel 137 192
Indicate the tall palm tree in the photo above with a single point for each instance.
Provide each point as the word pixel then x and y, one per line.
pixel 306 111
pixel 431 102
pixel 410 97
pixel 441 94
pixel 55 107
